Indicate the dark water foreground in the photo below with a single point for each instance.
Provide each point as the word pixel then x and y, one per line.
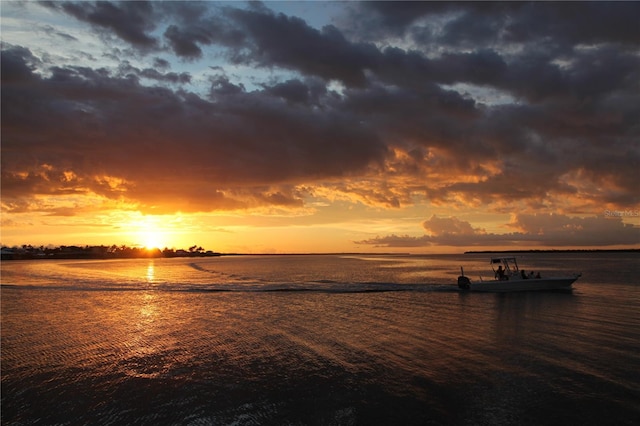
pixel 94 354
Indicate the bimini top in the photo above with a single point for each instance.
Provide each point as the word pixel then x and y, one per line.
pixel 502 259
pixel 509 263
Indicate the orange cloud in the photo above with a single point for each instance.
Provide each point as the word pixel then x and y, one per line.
pixel 542 230
pixel 502 117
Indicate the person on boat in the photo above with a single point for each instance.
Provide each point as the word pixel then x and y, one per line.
pixel 531 274
pixel 538 275
pixel 500 273
pixel 523 274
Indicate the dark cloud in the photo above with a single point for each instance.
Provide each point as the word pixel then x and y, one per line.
pixel 184 44
pixel 298 92
pixel 576 22
pixel 18 64
pixel 195 25
pixel 379 19
pixel 126 69
pixel 292 91
pixel 289 42
pixel 103 126
pixel 187 38
pixel 161 63
pixel 405 118
pixel 222 86
pixel 131 21
pixel 470 23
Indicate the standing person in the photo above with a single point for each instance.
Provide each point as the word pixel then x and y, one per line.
pixel 500 273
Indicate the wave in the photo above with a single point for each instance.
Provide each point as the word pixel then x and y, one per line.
pixel 199 268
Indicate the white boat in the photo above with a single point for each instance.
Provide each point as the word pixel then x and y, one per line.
pixel 509 278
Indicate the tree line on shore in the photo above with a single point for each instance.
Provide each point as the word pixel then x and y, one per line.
pixel 98 252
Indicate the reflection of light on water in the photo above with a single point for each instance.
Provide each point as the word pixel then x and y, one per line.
pixel 148 309
pixel 144 357
pixel 150 272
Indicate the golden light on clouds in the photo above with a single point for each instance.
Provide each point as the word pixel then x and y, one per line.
pixel 140 131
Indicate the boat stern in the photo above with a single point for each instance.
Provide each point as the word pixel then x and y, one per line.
pixel 464 282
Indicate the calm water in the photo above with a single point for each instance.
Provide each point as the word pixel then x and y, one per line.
pixel 327 340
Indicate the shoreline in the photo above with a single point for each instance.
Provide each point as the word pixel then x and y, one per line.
pixel 91 253
pixel 630 250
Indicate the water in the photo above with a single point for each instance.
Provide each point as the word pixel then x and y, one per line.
pixel 326 340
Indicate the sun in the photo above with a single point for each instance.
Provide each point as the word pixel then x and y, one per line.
pixel 152 239
pixel 149 232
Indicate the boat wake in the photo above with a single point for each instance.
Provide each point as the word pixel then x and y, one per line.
pixel 325 286
pixel 278 275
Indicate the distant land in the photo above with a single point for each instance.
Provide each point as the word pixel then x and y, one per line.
pixel 26 252
pixel 30 252
pixel 629 250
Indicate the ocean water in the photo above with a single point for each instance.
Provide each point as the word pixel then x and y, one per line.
pixel 317 340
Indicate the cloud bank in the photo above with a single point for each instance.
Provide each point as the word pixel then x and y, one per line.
pixel 472 105
pixel 532 230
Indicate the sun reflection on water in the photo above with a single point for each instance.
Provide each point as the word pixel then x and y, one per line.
pixel 148 310
pixel 151 272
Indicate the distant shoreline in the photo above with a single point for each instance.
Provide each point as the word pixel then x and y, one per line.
pixel 123 252
pixel 634 250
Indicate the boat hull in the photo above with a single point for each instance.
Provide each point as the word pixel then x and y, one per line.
pixel 532 284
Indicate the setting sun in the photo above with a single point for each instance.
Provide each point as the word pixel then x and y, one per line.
pixel 153 240
pixel 149 231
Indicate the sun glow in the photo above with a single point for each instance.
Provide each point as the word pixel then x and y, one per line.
pixel 152 240
pixel 150 231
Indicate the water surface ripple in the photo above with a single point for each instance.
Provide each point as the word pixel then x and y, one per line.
pixel 316 340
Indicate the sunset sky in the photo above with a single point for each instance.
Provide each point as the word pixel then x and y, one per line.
pixel 321 126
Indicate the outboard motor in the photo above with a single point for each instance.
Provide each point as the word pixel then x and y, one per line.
pixel 463 282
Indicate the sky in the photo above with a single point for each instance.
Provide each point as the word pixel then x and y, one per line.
pixel 277 127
